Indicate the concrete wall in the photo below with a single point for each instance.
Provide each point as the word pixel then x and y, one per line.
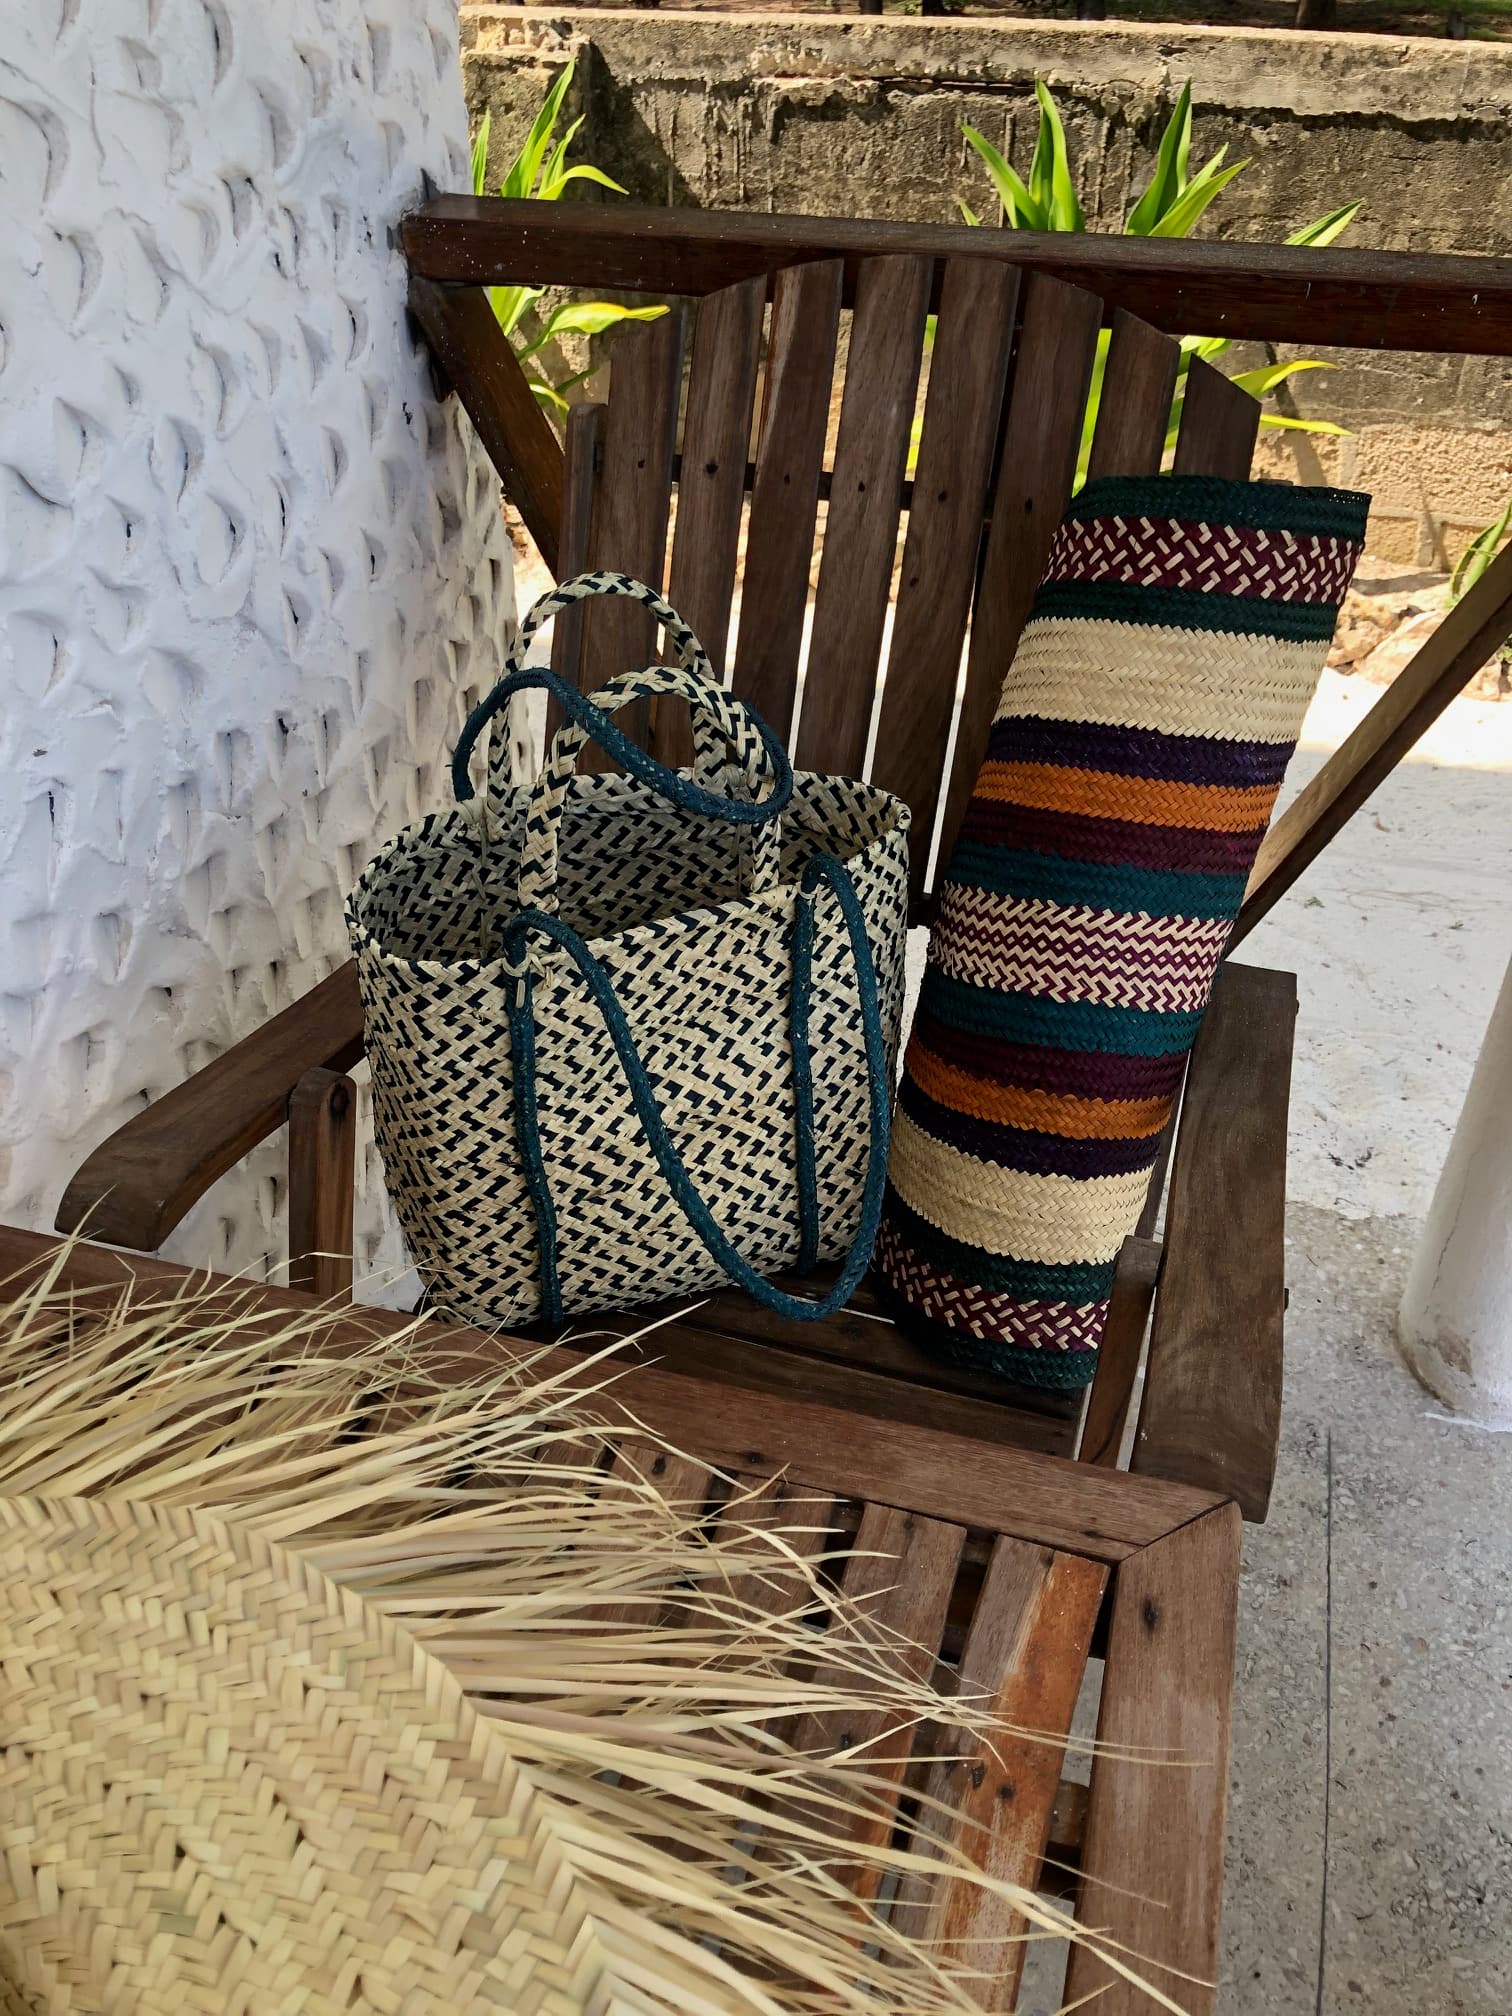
pixel 250 570
pixel 855 116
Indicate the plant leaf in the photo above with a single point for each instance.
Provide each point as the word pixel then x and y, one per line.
pixel 1020 211
pixel 1050 172
pixel 1263 381
pixel 967 212
pixel 1169 178
pixel 1324 230
pixel 1195 198
pixel 588 318
pixel 1478 555
pixel 480 152
pixel 1280 423
pixel 526 166
pixel 549 191
pixel 510 303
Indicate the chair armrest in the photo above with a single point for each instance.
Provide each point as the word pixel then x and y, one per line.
pixel 1211 1413
pixel 138 1184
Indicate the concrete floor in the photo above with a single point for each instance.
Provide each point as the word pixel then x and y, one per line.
pixel 1370 1856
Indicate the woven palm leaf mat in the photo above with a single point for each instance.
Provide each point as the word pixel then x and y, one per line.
pixel 227 1785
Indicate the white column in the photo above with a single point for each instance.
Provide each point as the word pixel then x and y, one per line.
pixel 1456 1316
pixel 251 572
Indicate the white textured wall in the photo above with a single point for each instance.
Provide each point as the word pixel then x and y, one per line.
pixel 250 571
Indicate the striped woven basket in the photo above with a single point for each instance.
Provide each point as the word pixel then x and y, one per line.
pixel 633 1037
pixel 1141 738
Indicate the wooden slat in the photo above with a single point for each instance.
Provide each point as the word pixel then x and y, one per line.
pixel 139 1183
pixel 322 1158
pixel 1219 423
pixel 1134 411
pixel 1026 1653
pixel 585 436
pixel 861 526
pixel 961 416
pixel 1041 437
pixel 681 1482
pixel 1211 1413
pixel 711 487
pixel 900 1574
pixel 1152 1854
pixel 784 495
pixel 1118 1354
pixel 879 1388
pixel 867 1343
pixel 474 355
pixel 1069 1506
pixel 630 505
pixel 801 1518
pixel 1268 293
pixel 1473 629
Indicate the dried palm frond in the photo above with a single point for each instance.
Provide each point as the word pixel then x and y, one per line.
pixel 608 1632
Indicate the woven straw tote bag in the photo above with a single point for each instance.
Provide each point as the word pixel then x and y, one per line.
pixel 633 1036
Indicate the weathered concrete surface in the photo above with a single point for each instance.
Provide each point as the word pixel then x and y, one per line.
pixel 862 116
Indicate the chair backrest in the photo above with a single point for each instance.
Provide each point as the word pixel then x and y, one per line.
pixel 743 439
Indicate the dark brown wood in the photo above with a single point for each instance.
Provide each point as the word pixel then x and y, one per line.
pixel 948 501
pixel 322 1158
pixel 800 1518
pixel 1267 293
pixel 861 525
pixel 1118 1355
pixel 1041 435
pixel 1134 412
pixel 1152 1855
pixel 1071 1507
pixel 474 354
pixel 585 443
pixel 780 536
pixel 1026 1652
pixel 631 501
pixel 1211 1413
pixel 138 1184
pixel 869 1388
pixel 1219 423
pixel 679 1481
pixel 901 1575
pixel 711 488
pixel 1474 628
pixel 860 1338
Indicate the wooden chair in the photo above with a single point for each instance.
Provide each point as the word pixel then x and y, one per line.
pixel 1013 1570
pixel 1007 389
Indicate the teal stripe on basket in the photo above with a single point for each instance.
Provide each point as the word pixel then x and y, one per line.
pixel 1267 507
pixel 1053 878
pixel 1186 609
pixel 1079 1281
pixel 1057 1025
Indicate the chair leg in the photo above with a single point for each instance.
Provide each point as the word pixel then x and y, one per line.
pixel 322 1162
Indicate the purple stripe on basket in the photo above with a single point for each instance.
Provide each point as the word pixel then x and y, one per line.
pixel 1136 752
pixel 1024 1148
pixel 1080 1074
pixel 1080 836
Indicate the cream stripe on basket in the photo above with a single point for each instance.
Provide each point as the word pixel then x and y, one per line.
pixel 1071 952
pixel 1056 1221
pixel 1126 676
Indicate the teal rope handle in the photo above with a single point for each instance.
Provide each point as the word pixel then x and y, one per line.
pixel 821 868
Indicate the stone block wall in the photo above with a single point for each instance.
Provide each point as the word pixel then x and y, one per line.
pixel 836 115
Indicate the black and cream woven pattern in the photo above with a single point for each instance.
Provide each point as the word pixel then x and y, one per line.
pixel 703 970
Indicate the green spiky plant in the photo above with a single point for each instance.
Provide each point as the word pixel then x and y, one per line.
pixel 1170 207
pixel 542 173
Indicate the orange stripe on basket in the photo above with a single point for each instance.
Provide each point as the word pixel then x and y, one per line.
pixel 1022 1106
pixel 1148 801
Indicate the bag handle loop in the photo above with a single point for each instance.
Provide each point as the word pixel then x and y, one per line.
pixel 821 868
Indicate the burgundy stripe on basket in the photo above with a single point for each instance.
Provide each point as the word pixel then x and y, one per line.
pixel 1081 836
pixel 1210 559
pixel 1136 752
pixel 1080 1074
